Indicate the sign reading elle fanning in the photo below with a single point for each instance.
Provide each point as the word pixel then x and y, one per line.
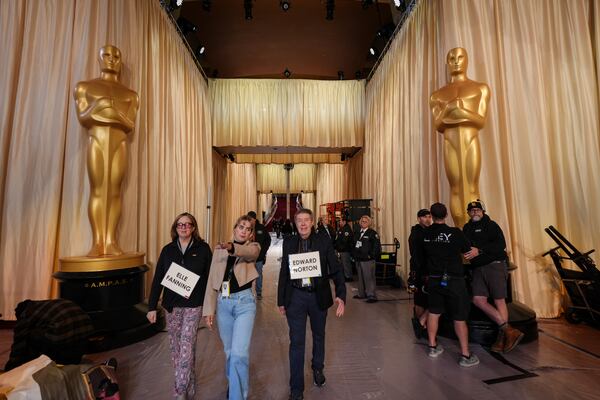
pixel 180 280
pixel 305 265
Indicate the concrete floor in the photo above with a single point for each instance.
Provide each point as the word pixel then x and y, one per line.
pixel 371 353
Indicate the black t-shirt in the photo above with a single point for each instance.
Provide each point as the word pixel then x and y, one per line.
pixel 442 248
pixel 234 286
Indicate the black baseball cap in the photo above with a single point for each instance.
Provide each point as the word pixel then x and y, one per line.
pixel 475 204
pixel 423 212
pixel 251 214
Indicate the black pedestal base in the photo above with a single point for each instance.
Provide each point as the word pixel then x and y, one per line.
pixel 483 331
pixel 114 301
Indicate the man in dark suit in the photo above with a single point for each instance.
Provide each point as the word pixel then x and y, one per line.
pixel 264 239
pixel 309 296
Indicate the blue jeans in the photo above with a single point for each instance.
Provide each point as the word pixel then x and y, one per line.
pixel 259 268
pixel 235 316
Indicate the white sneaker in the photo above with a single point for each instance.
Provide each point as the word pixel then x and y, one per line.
pixel 434 352
pixel 470 361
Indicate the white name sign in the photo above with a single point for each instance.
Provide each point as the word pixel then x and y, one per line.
pixel 305 265
pixel 180 280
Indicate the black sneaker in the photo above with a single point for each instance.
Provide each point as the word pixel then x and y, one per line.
pixel 296 396
pixel 318 377
pixel 418 328
pixel 372 300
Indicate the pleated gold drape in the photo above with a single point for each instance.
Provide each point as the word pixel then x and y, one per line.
pixel 237 193
pixel 308 201
pixel 293 112
pixel 264 205
pixel 332 184
pixel 48 46
pixel 316 158
pixel 540 148
pixel 271 177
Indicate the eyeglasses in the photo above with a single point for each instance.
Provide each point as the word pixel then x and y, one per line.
pixel 183 225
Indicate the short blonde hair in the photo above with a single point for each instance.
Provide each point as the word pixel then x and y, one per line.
pixel 368 218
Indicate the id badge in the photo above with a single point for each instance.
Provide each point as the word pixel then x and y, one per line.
pixel 225 289
pixel 306 282
pixel 444 281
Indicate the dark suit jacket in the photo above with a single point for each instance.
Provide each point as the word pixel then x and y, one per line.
pixel 330 269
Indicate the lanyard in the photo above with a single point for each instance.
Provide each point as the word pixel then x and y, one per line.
pixel 184 251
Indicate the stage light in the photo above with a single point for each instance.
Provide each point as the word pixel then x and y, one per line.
pixel 200 50
pixel 206 4
pixel 373 50
pixel 287 73
pixel 400 5
pixel 172 5
pixel 248 9
pixel 186 26
pixel 285 5
pixel 341 75
pixel 329 7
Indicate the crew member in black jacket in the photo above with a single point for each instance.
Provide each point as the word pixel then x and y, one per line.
pixel 440 250
pixel 299 298
pixel 418 277
pixel 264 240
pixel 490 274
pixel 183 315
pixel 344 243
pixel 367 248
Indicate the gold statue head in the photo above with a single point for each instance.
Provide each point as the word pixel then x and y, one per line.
pixel 457 61
pixel 110 59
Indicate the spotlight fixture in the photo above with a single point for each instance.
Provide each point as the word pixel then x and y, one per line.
pixel 230 157
pixel 341 75
pixel 200 50
pixel 285 5
pixel 373 51
pixel 329 7
pixel 172 5
pixel 206 4
pixel 248 9
pixel 400 5
pixel 287 73
pixel 186 26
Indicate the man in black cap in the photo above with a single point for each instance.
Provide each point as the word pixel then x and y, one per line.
pixel 344 242
pixel 490 273
pixel 440 251
pixel 416 279
pixel 264 239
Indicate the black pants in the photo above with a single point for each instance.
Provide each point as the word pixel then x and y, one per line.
pixel 304 304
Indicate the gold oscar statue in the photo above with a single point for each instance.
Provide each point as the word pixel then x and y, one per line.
pixel 459 111
pixel 107 109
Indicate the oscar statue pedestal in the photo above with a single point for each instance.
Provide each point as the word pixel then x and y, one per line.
pixel 110 290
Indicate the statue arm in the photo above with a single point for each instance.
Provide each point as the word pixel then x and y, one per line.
pixel 459 114
pixel 438 113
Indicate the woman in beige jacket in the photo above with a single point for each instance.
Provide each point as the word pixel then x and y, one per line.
pixel 229 291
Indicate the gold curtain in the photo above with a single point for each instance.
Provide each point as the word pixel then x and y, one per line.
pixel 293 112
pixel 332 184
pixel 271 177
pixel 308 201
pixel 238 196
pixel 48 47
pixel 264 204
pixel 540 147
